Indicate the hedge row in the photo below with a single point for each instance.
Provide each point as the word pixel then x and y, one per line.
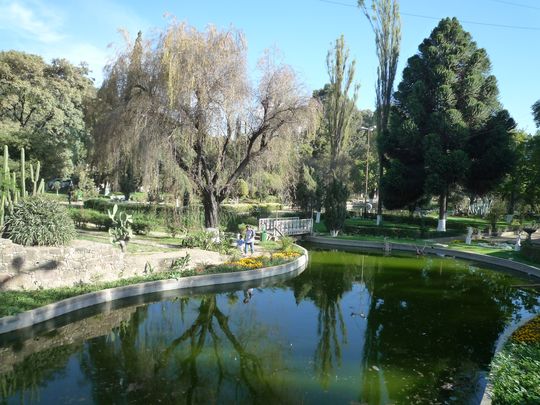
pixel 142 225
pixel 396 232
pixel 531 251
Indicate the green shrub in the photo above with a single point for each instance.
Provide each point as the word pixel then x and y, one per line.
pixel 260 211
pixel 335 206
pixel 143 224
pixel 173 222
pixel 287 243
pixel 530 251
pixel 87 216
pixel 39 221
pixel 200 239
pixel 515 374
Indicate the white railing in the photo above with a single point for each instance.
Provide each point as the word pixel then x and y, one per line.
pixel 288 226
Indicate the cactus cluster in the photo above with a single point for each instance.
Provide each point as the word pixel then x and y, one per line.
pixel 121 230
pixel 9 192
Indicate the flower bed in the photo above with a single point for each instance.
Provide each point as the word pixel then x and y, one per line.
pixel 249 263
pixel 515 370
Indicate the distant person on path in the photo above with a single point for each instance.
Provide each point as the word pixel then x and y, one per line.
pixel 240 242
pixel 249 239
pixel 70 194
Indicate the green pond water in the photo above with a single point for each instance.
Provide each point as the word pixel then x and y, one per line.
pixel 353 328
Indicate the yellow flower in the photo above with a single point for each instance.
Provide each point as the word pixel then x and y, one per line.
pixel 528 333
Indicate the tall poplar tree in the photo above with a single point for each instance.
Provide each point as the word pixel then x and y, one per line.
pixel 536 113
pixel 339 109
pixel 449 128
pixel 386 24
pixel 339 106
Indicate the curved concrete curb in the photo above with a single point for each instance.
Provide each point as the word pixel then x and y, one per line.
pixel 45 313
pixel 505 336
pixel 477 257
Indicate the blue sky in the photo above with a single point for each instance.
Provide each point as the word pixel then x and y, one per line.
pixel 87 30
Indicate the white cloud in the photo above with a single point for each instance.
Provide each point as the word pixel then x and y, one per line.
pixel 32 22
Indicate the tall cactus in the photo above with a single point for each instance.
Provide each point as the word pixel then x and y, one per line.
pixel 23 174
pixel 9 193
pixel 37 184
pixel 3 187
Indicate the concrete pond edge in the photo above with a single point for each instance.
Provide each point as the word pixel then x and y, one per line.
pixel 68 305
pixel 440 251
pixel 477 257
pixel 501 341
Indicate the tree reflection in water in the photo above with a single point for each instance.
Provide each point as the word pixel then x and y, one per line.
pixel 365 328
pixel 208 362
pixel 325 283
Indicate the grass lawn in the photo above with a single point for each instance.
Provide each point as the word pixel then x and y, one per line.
pixel 132 246
pixel 13 302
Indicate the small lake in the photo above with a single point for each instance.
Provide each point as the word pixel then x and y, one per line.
pixel 353 328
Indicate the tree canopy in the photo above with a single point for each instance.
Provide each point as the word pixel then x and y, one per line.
pixel 447 127
pixel 42 108
pixel 187 98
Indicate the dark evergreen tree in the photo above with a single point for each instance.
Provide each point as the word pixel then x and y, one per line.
pixel 536 113
pixel 449 128
pixel 335 205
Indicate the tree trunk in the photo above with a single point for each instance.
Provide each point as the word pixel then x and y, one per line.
pixel 441 226
pixel 511 205
pixel 211 209
pixel 379 199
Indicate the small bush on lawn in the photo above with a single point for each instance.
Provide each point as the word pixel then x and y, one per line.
pixel 82 217
pixel 201 239
pixel 143 224
pixel 39 221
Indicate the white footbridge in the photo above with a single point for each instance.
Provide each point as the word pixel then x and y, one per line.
pixel 295 226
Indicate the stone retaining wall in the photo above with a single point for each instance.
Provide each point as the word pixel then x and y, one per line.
pixel 69 305
pixel 36 267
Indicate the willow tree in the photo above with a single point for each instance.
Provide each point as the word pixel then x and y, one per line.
pixel 386 24
pixel 189 100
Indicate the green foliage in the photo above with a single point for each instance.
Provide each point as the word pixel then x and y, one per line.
pixel 306 196
pixel 121 229
pixel 200 239
pixel 447 128
pixel 128 181
pixel 180 264
pixel 287 243
pixel 81 217
pixel 260 211
pixel 143 224
pixel 39 221
pixel 496 212
pixel 536 113
pixel 45 112
pixel 85 182
pixel 531 252
pixel 335 206
pixel 242 188
pixel 515 374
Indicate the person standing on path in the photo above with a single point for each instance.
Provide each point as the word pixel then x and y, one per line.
pixel 249 239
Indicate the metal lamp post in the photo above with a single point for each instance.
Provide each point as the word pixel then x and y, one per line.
pixel 368 131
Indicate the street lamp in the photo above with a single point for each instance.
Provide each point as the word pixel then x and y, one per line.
pixel 368 130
